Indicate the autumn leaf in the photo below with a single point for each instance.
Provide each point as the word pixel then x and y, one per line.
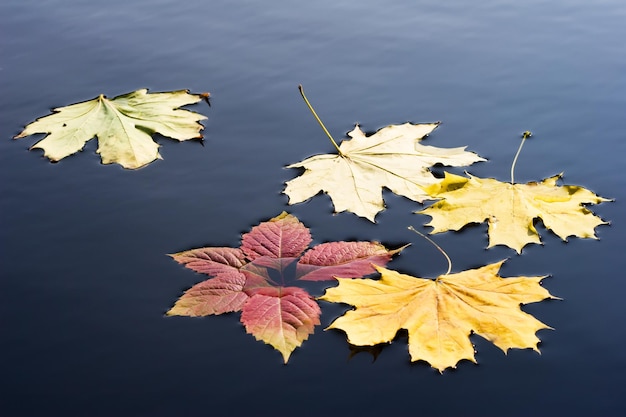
pixel 392 157
pixel 212 261
pixel 511 209
pixel 123 126
pixel 341 258
pixel 440 314
pixel 222 294
pixel 281 237
pixel 254 279
pixel 282 317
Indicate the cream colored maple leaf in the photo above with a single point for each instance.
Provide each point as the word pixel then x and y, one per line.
pixel 440 314
pixel 391 158
pixel 123 125
pixel 510 209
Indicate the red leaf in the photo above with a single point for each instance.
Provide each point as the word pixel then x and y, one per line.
pixel 218 295
pixel 283 317
pixel 346 259
pixel 281 237
pixel 211 261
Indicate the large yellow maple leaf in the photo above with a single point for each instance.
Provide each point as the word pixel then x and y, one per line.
pixel 510 209
pixel 123 126
pixel 440 314
pixel 391 158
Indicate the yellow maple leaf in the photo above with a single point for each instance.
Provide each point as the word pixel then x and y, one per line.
pixel 440 314
pixel 123 125
pixel 510 209
pixel 391 158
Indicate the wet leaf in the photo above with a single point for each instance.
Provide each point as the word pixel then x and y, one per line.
pixel 440 314
pixel 123 126
pixel 392 158
pixel 282 317
pixel 255 279
pixel 342 259
pixel 511 209
pixel 222 294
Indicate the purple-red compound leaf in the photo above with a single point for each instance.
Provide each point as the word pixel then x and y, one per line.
pixel 253 279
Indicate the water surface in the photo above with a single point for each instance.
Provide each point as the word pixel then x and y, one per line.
pixel 85 280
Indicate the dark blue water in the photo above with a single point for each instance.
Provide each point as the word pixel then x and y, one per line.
pixel 84 277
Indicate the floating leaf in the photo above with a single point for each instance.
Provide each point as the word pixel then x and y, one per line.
pixel 212 261
pixel 391 158
pixel 253 279
pixel 354 177
pixel 283 317
pixel 342 258
pixel 222 294
pixel 123 126
pixel 281 237
pixel 440 314
pixel 511 209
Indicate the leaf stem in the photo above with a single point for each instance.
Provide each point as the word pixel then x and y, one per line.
pixel 411 228
pixel 525 136
pixel 318 119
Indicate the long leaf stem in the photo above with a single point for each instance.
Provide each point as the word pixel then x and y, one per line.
pixel 411 228
pixel 318 119
pixel 525 136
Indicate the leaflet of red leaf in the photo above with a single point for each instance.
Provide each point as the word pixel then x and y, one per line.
pixel 347 259
pixel 281 237
pixel 283 317
pixel 222 294
pixel 211 261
